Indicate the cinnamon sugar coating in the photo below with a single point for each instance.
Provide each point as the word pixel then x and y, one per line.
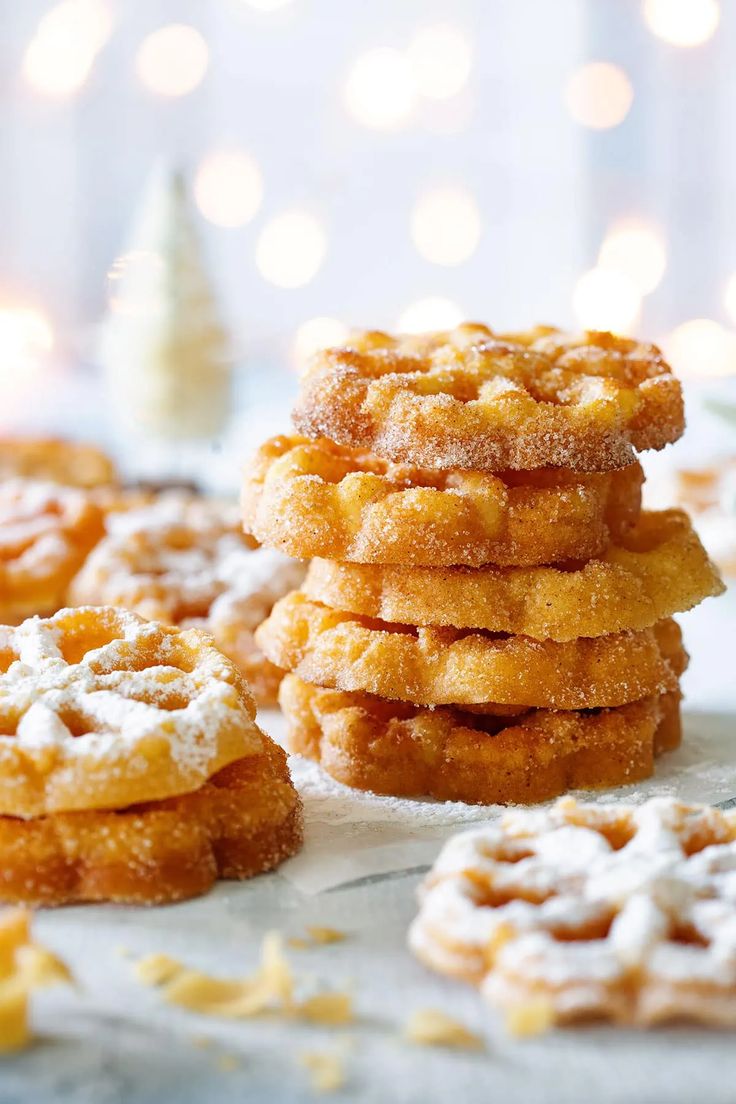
pixel 434 666
pixel 316 498
pixel 656 569
pixel 472 399
pixel 452 754
pixel 245 820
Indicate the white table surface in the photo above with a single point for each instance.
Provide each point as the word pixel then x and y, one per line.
pixel 113 1041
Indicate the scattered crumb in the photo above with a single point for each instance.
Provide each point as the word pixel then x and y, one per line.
pixel 270 989
pixel 122 951
pixel 40 968
pixel 532 1018
pixel 330 1009
pixel 275 970
pixel 156 969
pixel 325 935
pixel 214 997
pixel 15 1032
pixel 227 1063
pixel 318 936
pixel 327 1070
pixel 430 1027
pixel 24 966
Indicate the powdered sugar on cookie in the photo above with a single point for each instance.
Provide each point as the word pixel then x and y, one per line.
pixel 101 709
pixel 45 533
pixel 624 912
pixel 187 564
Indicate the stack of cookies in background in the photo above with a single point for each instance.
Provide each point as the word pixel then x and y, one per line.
pixel 488 616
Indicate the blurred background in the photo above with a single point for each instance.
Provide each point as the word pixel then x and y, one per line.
pixel 196 195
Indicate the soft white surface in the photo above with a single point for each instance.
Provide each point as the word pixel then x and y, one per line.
pixel 114 1042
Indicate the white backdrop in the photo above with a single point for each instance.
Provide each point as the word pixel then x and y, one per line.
pixel 546 188
pixel 551 124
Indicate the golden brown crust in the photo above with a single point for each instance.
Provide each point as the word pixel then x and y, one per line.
pixel 434 666
pixel 46 531
pixel 316 498
pixel 471 399
pixel 247 819
pixel 656 569
pixel 58 461
pixel 453 755
pixel 100 709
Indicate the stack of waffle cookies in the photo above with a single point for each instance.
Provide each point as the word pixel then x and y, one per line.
pixel 131 766
pixel 488 613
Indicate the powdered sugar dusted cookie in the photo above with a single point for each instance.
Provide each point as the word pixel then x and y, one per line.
pixel 627 913
pixel 100 709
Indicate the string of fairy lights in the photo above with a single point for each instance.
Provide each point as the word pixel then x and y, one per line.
pixel 383 89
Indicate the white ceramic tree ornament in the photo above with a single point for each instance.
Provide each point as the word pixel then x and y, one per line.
pixel 163 345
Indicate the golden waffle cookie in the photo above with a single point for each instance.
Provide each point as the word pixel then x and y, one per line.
pixel 435 666
pixel 244 820
pixel 115 500
pixel 315 498
pixel 472 399
pixel 453 754
pixel 45 533
pixel 56 461
pixel 598 911
pixel 194 572
pixel 656 569
pixel 100 709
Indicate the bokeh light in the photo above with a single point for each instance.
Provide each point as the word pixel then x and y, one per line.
pixel 228 187
pixel 290 249
pixel 379 90
pixel 636 249
pixel 173 60
pixel 682 22
pixel 450 116
pixel 605 299
pixel 317 333
pixel 446 225
pixel 701 348
pixel 440 59
pixel 26 337
pixel 60 56
pixel 599 95
pixel 432 313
